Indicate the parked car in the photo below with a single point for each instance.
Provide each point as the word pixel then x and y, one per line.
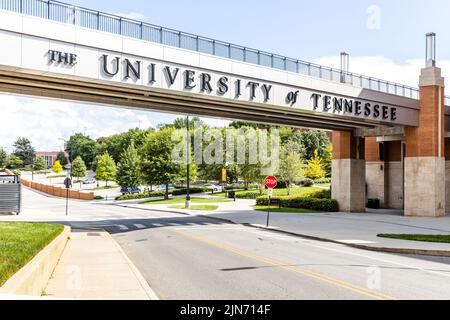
pixel 130 190
pixel 89 180
pixel 213 187
pixel 163 188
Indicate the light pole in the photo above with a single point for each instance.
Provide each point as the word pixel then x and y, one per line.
pixel 188 164
pixel 33 159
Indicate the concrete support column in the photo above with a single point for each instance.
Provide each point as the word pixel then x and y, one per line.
pixel 348 172
pixel 425 145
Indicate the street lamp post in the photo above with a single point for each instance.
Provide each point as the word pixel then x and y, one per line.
pixel 188 160
pixel 33 159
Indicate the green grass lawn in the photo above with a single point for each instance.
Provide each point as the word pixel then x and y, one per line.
pixel 283 210
pixel 201 207
pixel 182 200
pixel 56 176
pixel 105 187
pixel 280 192
pixel 324 185
pixel 20 242
pixel 419 237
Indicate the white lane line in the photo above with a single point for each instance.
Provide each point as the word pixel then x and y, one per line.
pixel 121 226
pixel 139 226
pixel 157 224
pixel 174 224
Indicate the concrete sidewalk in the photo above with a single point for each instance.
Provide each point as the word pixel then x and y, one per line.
pixel 94 267
pixel 359 229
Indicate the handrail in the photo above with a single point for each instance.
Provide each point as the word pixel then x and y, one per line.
pixel 93 19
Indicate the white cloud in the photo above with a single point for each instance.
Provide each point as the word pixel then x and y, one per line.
pixel 45 121
pixel 131 15
pixel 406 73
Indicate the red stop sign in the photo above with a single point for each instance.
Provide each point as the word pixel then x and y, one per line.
pixel 271 182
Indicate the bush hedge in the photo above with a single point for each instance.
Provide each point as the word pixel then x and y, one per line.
pixel 317 204
pixel 181 191
pixel 307 182
pixel 247 195
pixel 322 181
pixel 161 193
pixel 152 194
pixel 322 194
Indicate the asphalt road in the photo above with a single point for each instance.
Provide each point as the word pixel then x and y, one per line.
pixel 187 257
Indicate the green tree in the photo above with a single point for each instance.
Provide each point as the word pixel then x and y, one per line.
pixel 128 171
pixel 157 165
pixel 13 162
pixel 314 170
pixel 83 146
pixel 117 144
pixel 3 156
pixel 40 164
pixel 57 167
pixel 326 161
pixel 291 164
pixel 314 140
pixel 106 168
pixel 78 168
pixel 61 157
pixel 24 150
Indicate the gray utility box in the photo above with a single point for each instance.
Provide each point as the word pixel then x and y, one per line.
pixel 10 194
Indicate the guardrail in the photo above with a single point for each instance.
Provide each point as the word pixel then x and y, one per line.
pixel 92 19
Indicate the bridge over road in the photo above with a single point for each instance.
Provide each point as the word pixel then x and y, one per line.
pixel 56 50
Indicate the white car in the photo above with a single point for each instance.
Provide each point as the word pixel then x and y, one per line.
pixel 213 187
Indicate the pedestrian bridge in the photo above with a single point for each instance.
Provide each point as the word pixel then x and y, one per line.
pixel 62 51
pixel 390 141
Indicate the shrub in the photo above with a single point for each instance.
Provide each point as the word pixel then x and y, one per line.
pixel 322 180
pixel 98 198
pixel 152 194
pixel 264 200
pixel 322 194
pixel 324 205
pixel 247 195
pixel 181 191
pixel 307 182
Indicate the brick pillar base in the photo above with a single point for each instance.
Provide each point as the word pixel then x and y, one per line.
pixel 425 186
pixel 348 172
pixel 425 161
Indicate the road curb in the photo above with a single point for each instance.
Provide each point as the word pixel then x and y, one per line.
pixel 33 278
pixel 144 284
pixel 424 252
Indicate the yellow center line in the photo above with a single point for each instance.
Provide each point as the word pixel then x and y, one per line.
pixel 286 266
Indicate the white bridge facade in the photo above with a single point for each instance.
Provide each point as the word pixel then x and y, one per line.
pixel 56 53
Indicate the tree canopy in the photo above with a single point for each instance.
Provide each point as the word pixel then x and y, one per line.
pixel 106 168
pixel 128 173
pixel 24 150
pixel 78 168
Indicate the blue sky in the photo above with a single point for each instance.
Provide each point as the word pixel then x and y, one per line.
pixel 385 39
pixel 302 29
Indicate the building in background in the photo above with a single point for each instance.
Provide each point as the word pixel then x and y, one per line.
pixel 49 157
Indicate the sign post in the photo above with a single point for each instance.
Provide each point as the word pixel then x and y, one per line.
pixel 270 182
pixel 68 185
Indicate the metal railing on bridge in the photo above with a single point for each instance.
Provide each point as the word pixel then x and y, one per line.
pixel 92 19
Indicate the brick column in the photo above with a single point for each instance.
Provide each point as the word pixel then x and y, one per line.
pixel 425 145
pixel 348 174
